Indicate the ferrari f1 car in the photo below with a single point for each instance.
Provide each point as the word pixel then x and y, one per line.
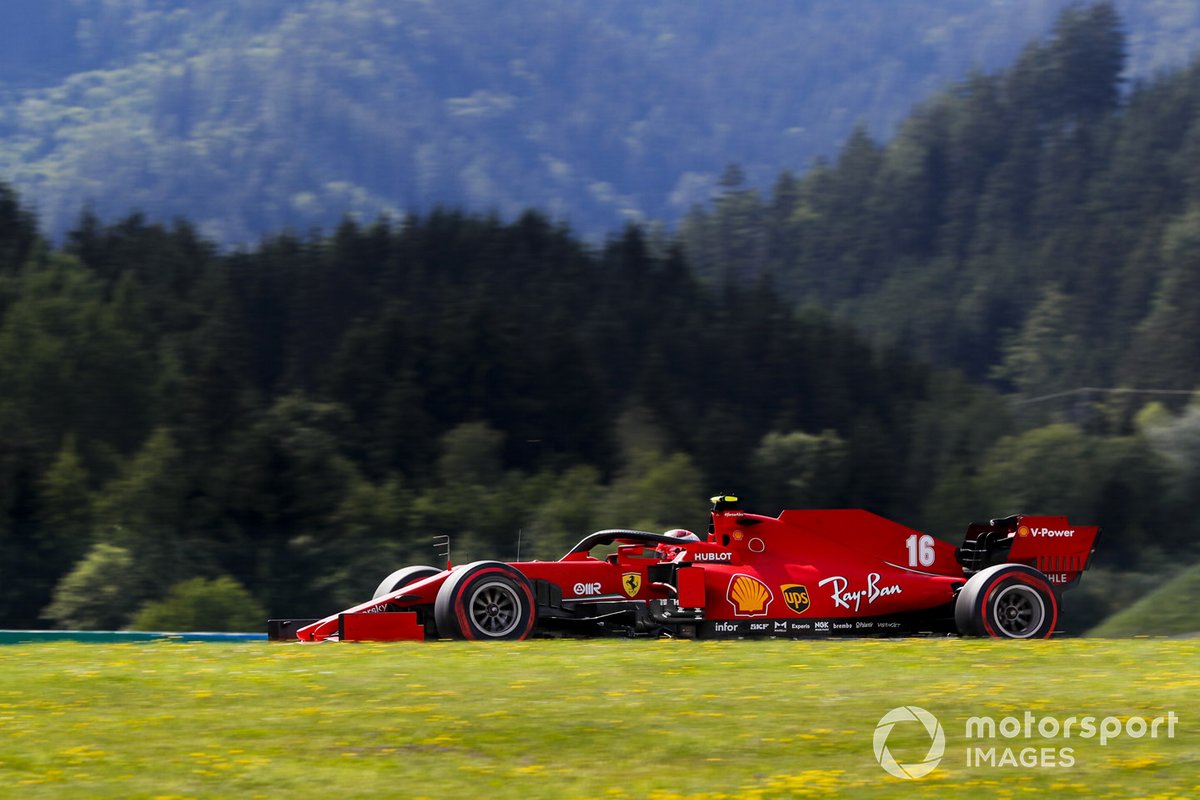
pixel 805 573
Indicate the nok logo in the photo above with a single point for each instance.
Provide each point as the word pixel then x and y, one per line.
pixel 933 757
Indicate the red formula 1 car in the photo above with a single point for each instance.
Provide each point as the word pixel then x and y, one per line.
pixel 801 574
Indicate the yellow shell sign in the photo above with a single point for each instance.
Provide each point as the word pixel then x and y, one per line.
pixel 749 596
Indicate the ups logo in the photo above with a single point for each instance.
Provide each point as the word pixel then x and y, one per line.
pixel 795 597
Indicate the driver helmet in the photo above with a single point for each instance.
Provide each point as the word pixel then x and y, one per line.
pixel 682 535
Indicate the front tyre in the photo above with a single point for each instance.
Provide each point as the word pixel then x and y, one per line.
pixel 486 600
pixel 1007 601
pixel 403 577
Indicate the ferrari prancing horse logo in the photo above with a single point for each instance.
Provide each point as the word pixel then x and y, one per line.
pixel 631 582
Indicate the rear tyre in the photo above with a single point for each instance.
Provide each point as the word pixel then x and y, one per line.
pixel 1007 601
pixel 403 577
pixel 486 600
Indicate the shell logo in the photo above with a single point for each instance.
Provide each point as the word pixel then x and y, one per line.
pixel 749 596
pixel 1023 530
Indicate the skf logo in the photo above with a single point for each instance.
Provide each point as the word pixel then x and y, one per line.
pixel 749 596
pixel 631 582
pixel 795 597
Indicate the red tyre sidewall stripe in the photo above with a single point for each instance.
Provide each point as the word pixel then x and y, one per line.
pixel 460 610
pixel 1030 580
pixel 531 606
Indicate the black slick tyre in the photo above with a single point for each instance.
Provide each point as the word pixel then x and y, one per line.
pixel 1007 601
pixel 485 601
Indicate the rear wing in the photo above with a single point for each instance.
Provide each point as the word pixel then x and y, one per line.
pixel 1050 545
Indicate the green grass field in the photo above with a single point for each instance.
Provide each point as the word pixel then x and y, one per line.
pixel 606 719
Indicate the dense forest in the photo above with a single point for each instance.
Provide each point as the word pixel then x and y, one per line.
pixel 249 116
pixel 301 417
pixel 298 415
pixel 1036 227
pixel 288 422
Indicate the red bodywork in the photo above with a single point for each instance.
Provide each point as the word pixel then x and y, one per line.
pixel 803 573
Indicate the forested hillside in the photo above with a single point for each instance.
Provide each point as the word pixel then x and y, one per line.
pixel 246 116
pixel 306 414
pixel 1034 226
pixel 286 422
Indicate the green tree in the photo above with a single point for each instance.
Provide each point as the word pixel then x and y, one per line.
pixel 570 510
pixel 66 505
pixel 18 230
pixel 1177 441
pixel 1165 352
pixel 471 455
pixel 282 483
pixel 799 470
pixel 1043 471
pixel 29 563
pixel 220 604
pixel 657 492
pixel 375 535
pixel 100 593
pixel 1043 357
pixel 144 511
pixel 72 360
pixel 1086 57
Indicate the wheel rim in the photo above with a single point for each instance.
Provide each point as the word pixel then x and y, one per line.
pixel 494 609
pixel 1019 611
